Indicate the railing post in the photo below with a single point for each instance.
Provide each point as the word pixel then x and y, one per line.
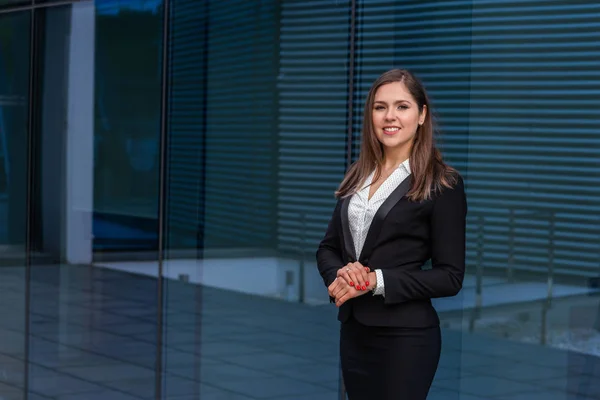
pixel 478 274
pixel 511 246
pixel 548 303
pixel 551 250
pixel 302 272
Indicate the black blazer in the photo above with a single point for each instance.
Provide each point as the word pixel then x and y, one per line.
pixel 403 236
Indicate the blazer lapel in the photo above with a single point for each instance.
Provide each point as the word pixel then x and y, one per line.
pixel 379 217
pixel 346 234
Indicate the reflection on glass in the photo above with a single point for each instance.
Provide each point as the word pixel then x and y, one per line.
pixel 14 107
pixel 517 100
pixel 93 325
pixel 256 147
pixel 127 116
pixel 8 3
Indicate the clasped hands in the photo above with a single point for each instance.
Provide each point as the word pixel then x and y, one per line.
pixel 352 280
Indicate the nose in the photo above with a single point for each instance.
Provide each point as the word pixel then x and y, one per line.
pixel 389 115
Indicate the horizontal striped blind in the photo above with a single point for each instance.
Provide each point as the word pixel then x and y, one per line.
pixel 186 122
pixel 515 85
pixel 313 90
pixel 239 132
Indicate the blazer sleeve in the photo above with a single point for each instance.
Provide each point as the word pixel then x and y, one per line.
pixel 329 252
pixel 445 278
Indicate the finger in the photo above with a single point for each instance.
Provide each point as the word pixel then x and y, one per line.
pixel 346 293
pixel 357 275
pixel 340 291
pixel 345 275
pixel 334 285
pixel 364 275
pixel 341 270
pixel 355 279
pixel 342 299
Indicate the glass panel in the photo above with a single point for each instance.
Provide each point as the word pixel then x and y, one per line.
pixel 127 120
pixel 93 320
pixel 256 149
pixel 14 109
pixel 532 154
pixel 514 86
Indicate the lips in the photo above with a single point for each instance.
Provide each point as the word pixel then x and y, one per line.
pixel 391 130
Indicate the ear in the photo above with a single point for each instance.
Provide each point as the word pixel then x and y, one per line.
pixel 422 115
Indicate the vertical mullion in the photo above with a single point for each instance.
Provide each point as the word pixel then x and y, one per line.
pixel 162 193
pixel 29 212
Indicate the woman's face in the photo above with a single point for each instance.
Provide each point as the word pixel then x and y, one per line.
pixel 396 116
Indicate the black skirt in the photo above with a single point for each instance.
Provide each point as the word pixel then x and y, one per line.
pixel 384 363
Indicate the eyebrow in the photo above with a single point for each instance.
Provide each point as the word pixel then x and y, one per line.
pixel 395 102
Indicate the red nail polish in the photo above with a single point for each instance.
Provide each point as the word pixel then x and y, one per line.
pixel 358 288
pixel 367 269
pixel 367 283
pixel 351 283
pixel 364 288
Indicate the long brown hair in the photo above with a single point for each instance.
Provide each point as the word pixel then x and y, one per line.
pixel 429 172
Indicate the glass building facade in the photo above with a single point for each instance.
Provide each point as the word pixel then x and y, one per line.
pixel 167 169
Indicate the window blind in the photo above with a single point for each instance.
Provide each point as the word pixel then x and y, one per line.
pixel 223 121
pixel 515 85
pixel 313 90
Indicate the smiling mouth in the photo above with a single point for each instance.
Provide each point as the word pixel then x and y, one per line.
pixel 391 130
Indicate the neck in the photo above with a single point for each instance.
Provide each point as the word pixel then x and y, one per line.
pixel 392 158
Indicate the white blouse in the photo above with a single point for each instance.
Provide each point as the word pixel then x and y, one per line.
pixel 361 211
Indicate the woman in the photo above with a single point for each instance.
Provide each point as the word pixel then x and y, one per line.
pixel 399 206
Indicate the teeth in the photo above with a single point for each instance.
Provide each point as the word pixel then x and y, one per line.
pixel 391 129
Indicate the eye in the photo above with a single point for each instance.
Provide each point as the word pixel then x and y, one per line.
pixel 379 107
pixel 402 107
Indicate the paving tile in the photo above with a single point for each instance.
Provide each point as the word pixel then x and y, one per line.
pixel 590 366
pixel 265 338
pixel 266 361
pixel 486 386
pixel 326 395
pixel 59 384
pixel 70 358
pixel 584 385
pixel 467 360
pixel 518 372
pixel 12 371
pixel 35 396
pixel 131 329
pixel 324 375
pixel 271 387
pixel 218 349
pixel 12 343
pixel 138 311
pixel 9 392
pixel 101 395
pixel 306 349
pixel 544 395
pixel 210 393
pixel 172 386
pixel 171 358
pixel 111 372
pixel 437 394
pixel 452 373
pixel 218 372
